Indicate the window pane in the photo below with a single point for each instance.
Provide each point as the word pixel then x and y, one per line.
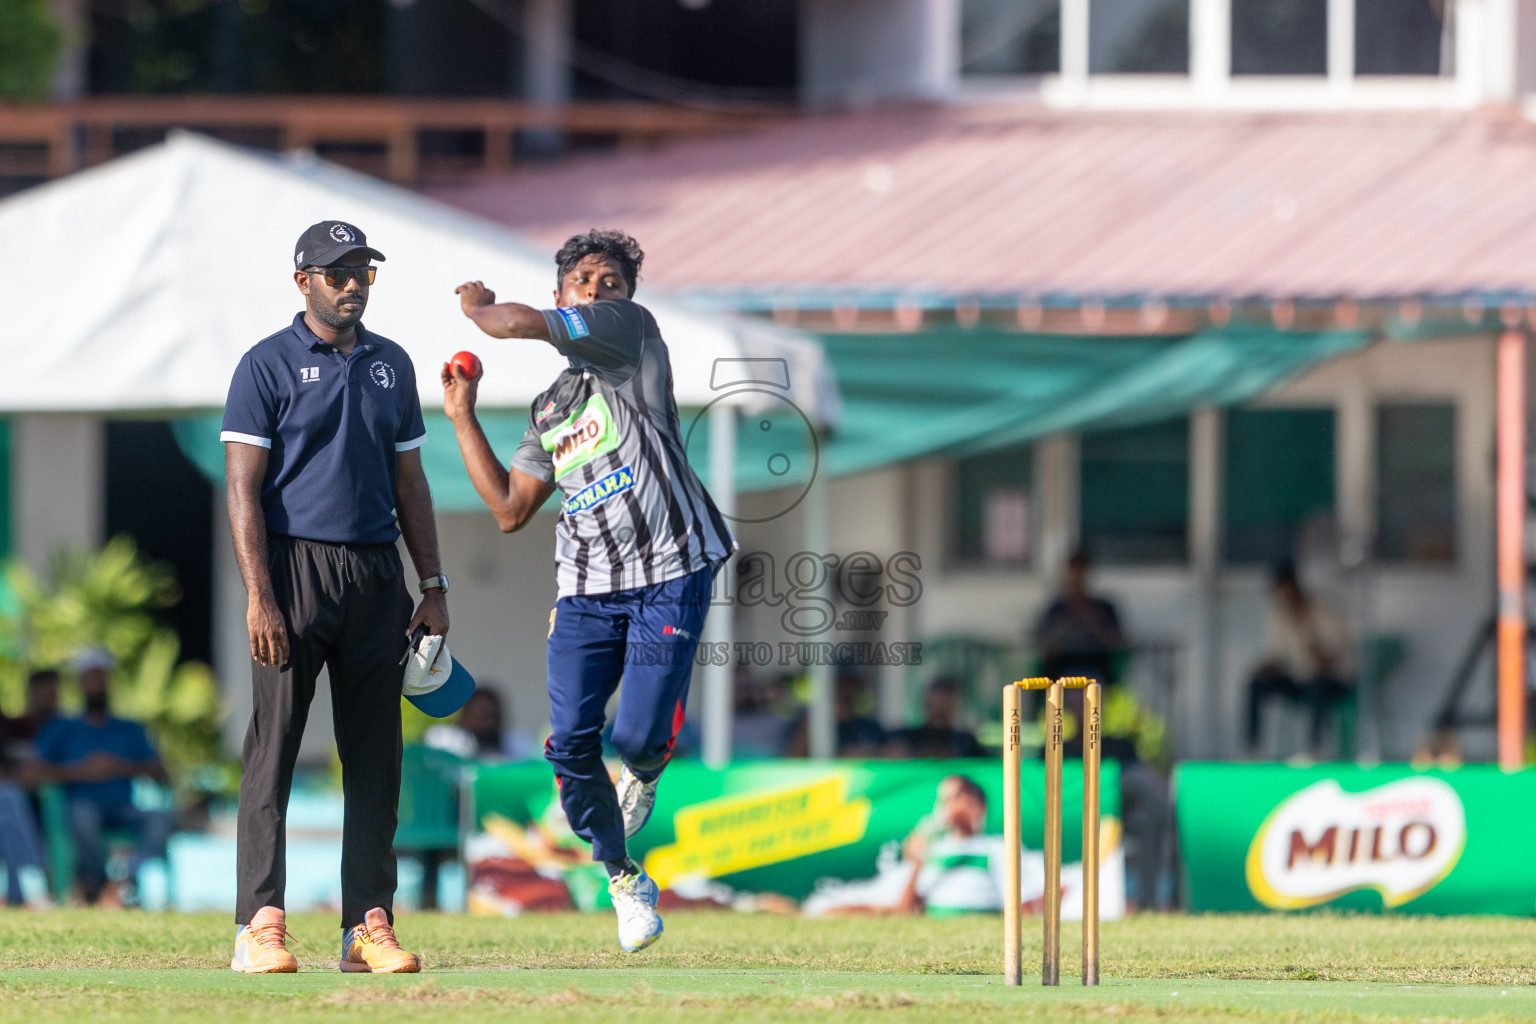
pixel 1010 37
pixel 1135 493
pixel 1402 37
pixel 1141 37
pixel 1416 483
pixel 994 509
pixel 1278 477
pixel 1280 37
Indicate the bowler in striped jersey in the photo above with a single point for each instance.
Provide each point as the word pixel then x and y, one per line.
pixel 636 550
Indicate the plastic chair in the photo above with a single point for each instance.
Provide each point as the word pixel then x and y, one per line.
pixel 59 844
pixel 430 784
pixel 1381 657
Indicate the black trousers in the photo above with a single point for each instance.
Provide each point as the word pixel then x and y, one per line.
pixel 1319 694
pixel 346 607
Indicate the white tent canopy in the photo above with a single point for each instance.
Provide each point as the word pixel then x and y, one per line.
pixel 137 286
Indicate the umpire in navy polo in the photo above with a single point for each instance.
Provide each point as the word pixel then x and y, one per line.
pixel 322 434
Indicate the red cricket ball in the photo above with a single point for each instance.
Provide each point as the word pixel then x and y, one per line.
pixel 466 363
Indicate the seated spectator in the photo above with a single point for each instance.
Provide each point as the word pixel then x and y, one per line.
pixel 18 736
pixel 482 732
pixel 95 758
pixel 21 846
pixel 757 728
pixel 1146 801
pixel 859 734
pixel 1079 634
pixel 1307 659
pixel 937 736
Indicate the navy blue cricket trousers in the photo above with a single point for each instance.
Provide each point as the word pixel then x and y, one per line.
pixel 647 636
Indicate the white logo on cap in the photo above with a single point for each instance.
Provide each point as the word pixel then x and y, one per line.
pixel 342 233
pixel 298 258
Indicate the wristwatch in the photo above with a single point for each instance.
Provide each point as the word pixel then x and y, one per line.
pixel 438 582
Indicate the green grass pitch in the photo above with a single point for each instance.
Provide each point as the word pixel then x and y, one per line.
pixel 713 968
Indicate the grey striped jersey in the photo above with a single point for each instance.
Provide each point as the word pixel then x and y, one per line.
pixel 633 512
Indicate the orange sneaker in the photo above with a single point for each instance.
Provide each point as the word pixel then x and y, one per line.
pixel 261 946
pixel 372 947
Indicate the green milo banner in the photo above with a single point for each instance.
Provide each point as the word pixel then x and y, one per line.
pixel 777 826
pixel 1273 837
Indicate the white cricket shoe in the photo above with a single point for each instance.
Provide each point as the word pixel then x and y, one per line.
pixel 634 900
pixel 636 801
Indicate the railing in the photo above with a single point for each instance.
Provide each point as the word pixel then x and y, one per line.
pixel 380 135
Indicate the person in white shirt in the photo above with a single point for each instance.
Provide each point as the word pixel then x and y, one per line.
pixel 481 732
pixel 948 864
pixel 1308 658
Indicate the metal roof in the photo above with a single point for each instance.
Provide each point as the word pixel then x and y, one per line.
pixel 923 205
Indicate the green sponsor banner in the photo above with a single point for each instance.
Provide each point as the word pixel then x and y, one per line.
pixel 779 826
pixel 1273 837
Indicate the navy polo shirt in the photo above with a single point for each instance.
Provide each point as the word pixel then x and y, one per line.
pixel 335 425
pixel 71 740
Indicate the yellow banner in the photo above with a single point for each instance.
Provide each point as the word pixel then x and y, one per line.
pixel 735 833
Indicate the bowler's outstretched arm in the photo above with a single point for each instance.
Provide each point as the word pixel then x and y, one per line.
pixel 504 320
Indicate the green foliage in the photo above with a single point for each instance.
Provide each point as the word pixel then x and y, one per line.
pixel 1126 717
pixel 414 722
pixel 30 44
pixel 108 599
pixel 1123 716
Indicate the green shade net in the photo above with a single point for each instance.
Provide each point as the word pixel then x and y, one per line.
pixel 948 391
pixel 964 392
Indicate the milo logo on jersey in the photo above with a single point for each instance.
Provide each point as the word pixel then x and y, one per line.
pixel 599 491
pixel 585 434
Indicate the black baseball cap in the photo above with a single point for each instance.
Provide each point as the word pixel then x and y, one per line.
pixel 328 241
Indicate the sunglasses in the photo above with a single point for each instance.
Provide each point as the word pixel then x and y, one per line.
pixel 337 277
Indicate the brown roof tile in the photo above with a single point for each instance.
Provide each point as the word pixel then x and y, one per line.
pixel 1003 201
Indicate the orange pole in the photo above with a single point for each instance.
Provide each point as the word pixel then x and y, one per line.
pixel 1511 548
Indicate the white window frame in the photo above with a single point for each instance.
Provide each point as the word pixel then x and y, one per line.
pixel 1485 69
